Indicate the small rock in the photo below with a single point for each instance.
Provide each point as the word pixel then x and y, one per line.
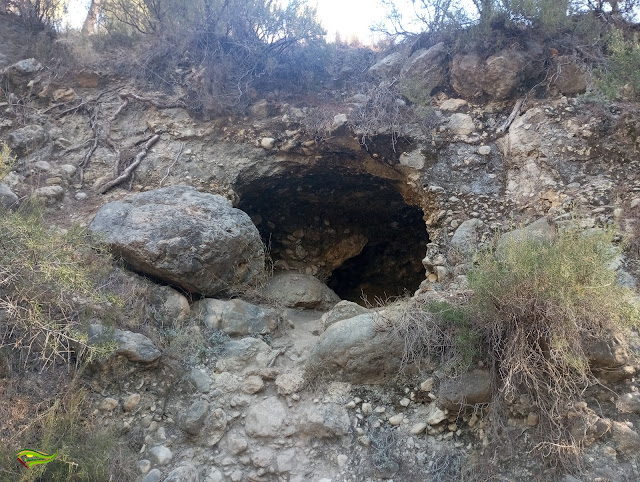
pixel 434 415
pixel 135 346
pixel 452 105
pixel 201 380
pixel 484 150
pixel 49 194
pixel 161 455
pixel 64 95
pixel 237 444
pixel 427 385
pixel 532 419
pixel 342 311
pixel 193 419
pixel 405 402
pixel 396 419
pixel 418 428
pixel 627 441
pixel 27 139
pixel 351 405
pixel 339 120
pixel 108 404
pixel 367 408
pixel 154 476
pixel 629 403
pixel 461 124
pixel 144 466
pixel 53 181
pixel 253 384
pixel 364 440
pixel 81 196
pixel 68 169
pixel 131 402
pixel 268 143
pixel 185 473
pixel 8 199
pixel 290 382
pixel 42 166
pixel 87 79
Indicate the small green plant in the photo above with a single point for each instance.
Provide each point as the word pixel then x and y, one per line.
pixel 7 160
pixel 537 304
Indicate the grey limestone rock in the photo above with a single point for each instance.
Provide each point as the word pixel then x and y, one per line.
pixel 195 240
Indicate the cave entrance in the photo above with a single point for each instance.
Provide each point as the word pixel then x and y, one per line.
pixel 352 230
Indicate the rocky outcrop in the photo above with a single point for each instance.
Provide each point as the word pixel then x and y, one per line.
pixel 568 78
pixel 426 68
pixel 498 76
pixel 191 239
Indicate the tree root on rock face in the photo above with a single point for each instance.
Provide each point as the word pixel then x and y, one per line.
pixel 128 172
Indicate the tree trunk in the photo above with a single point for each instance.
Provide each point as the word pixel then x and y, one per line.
pixel 91 20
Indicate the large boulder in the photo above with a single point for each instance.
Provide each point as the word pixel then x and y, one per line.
pixel 194 240
pixel 465 78
pixel 354 350
pixel 426 68
pixel 569 78
pixel 498 76
pixel 297 290
pixel 503 74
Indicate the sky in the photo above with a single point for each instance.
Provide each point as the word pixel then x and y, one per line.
pixel 348 17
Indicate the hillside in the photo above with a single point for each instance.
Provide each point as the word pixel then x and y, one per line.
pixel 411 263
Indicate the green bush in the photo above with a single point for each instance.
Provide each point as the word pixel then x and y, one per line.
pixel 620 75
pixel 538 303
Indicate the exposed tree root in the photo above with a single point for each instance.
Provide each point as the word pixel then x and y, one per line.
pixel 128 172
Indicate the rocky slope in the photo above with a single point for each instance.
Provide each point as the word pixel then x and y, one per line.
pixel 372 219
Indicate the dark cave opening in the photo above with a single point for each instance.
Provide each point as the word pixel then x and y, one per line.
pixel 352 230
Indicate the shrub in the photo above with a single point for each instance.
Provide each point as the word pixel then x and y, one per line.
pixel 85 452
pixel 226 48
pixel 48 284
pixel 537 303
pixel 7 160
pixel 438 331
pixel 620 76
